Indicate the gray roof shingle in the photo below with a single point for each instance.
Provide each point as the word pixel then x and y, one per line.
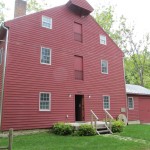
pixel 136 89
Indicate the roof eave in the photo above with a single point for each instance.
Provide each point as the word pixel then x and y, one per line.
pixel 138 94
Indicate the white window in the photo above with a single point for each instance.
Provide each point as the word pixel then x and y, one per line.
pixel 103 39
pixel 45 101
pixel 130 103
pixel 0 56
pixel 106 102
pixel 46 22
pixel 104 66
pixel 45 55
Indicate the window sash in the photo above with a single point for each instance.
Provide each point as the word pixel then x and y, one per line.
pixel 106 102
pixel 45 55
pixel 103 39
pixel 45 101
pixel 130 103
pixel 46 22
pixel 104 66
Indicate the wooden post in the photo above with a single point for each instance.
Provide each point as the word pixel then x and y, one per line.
pixel 92 119
pixel 10 138
pixel 95 123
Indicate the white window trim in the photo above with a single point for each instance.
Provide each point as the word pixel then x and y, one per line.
pixel 49 101
pixel 1 50
pixel 109 102
pixel 51 22
pixel 50 61
pixel 102 69
pixel 132 102
pixel 105 39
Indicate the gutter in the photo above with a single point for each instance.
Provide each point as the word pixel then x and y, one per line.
pixel 4 70
pixel 127 113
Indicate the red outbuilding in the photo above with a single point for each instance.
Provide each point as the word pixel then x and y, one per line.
pixel 138 104
pixel 57 65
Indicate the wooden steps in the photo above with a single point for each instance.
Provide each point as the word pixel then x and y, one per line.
pixel 103 130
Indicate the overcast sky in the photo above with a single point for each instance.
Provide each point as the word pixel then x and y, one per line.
pixel 136 11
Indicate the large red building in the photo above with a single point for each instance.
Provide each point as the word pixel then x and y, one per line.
pixel 57 65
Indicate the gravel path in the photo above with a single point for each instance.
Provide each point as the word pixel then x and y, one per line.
pixel 127 138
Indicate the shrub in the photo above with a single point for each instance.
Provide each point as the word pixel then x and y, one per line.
pixel 86 130
pixel 63 129
pixel 117 126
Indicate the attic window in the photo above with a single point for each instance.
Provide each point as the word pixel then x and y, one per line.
pixel 46 22
pixel 103 39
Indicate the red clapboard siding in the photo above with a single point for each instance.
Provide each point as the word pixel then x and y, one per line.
pixel 144 109
pixel 133 114
pixel 26 77
pixel 141 109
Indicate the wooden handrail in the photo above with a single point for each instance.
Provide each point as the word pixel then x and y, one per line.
pixel 108 119
pixel 94 119
pixel 110 116
pixel 10 139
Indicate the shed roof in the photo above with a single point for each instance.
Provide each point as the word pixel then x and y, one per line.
pixel 136 89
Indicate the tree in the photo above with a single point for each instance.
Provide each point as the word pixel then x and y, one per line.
pixel 35 6
pixel 2 7
pixel 137 62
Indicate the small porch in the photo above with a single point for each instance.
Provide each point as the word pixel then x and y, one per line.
pixel 101 127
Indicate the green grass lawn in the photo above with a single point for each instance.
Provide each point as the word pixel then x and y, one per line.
pixel 137 131
pixel 48 141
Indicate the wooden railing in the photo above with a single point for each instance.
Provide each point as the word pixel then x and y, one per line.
pixel 94 119
pixel 108 120
pixel 10 140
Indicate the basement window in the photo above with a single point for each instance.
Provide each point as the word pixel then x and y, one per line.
pixel 0 56
pixel 106 102
pixel 104 66
pixel 130 103
pixel 45 101
pixel 45 56
pixel 46 22
pixel 103 39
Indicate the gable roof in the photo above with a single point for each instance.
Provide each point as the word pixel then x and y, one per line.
pixel 80 7
pixel 136 89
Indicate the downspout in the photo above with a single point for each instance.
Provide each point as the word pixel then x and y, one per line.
pixel 4 70
pixel 125 90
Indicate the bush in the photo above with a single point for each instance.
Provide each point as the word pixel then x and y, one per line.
pixel 86 130
pixel 117 126
pixel 63 129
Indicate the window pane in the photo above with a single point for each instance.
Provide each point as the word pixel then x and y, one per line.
pixel 102 39
pixel 104 66
pixel 46 56
pixel 46 22
pixel 106 102
pixel 130 103
pixel 44 101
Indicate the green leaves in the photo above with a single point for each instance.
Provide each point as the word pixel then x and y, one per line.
pixel 2 7
pixel 35 6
